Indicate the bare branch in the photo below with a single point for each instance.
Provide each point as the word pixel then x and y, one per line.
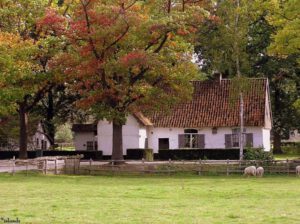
pixel 119 38
pixel 130 5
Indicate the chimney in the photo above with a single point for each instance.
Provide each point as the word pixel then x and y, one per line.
pixel 217 76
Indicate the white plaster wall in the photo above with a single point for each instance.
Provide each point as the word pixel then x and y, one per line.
pixel 268 114
pixel 132 134
pixel 257 136
pixel 80 139
pixel 155 133
pixel 39 134
pixel 142 137
pixel 213 141
pixel 266 139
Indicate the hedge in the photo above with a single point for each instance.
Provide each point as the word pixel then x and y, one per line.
pixel 187 154
pixel 95 155
pixel 137 154
pixel 194 154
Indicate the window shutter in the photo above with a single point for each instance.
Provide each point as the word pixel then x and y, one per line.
pixel 249 139
pixel 200 141
pixel 180 141
pixel 228 141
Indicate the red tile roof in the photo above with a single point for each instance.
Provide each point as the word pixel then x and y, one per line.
pixel 211 107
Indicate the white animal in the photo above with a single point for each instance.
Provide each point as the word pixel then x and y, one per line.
pixel 250 171
pixel 298 170
pixel 260 171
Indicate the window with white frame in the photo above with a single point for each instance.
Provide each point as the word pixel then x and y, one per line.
pixel 190 138
pixel 236 137
pixel 233 140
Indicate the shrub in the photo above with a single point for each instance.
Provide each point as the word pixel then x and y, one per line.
pixel 291 149
pixel 257 154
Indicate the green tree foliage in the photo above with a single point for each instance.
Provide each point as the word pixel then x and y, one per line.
pixel 285 17
pixel 283 74
pixel 223 38
pixel 255 38
pixel 25 52
pixel 57 108
pixel 64 133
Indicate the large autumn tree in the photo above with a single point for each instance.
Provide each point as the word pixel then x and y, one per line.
pixel 130 55
pixel 25 53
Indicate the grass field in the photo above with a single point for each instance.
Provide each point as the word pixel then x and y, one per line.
pixel 149 199
pixel 286 156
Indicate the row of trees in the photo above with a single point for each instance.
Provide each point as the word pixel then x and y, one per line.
pixel 117 56
pixel 268 41
pixel 62 60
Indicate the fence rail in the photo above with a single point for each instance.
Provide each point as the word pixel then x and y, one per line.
pixel 73 165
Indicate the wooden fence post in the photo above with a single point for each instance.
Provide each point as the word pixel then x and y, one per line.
pixel 13 165
pixel 169 167
pixel 90 166
pixel 287 167
pixel 227 168
pixel 27 168
pixel 200 168
pixel 46 164
pixel 74 166
pixel 65 168
pixel 55 163
pixel 78 171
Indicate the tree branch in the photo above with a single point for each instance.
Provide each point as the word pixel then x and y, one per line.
pixel 157 50
pixel 87 20
pixel 130 5
pixel 38 96
pixel 119 38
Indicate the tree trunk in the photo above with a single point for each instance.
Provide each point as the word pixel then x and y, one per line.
pixel 277 112
pixel 117 151
pixel 23 139
pixel 277 143
pixel 49 119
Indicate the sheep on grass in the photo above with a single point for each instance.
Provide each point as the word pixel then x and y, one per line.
pixel 260 171
pixel 250 171
pixel 298 170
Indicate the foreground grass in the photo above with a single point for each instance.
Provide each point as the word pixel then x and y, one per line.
pixel 136 199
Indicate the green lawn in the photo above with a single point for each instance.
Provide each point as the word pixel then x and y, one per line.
pixel 286 156
pixel 150 199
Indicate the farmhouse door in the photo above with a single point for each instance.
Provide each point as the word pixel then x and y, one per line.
pixel 163 143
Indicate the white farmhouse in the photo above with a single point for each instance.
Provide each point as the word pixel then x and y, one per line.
pixel 209 121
